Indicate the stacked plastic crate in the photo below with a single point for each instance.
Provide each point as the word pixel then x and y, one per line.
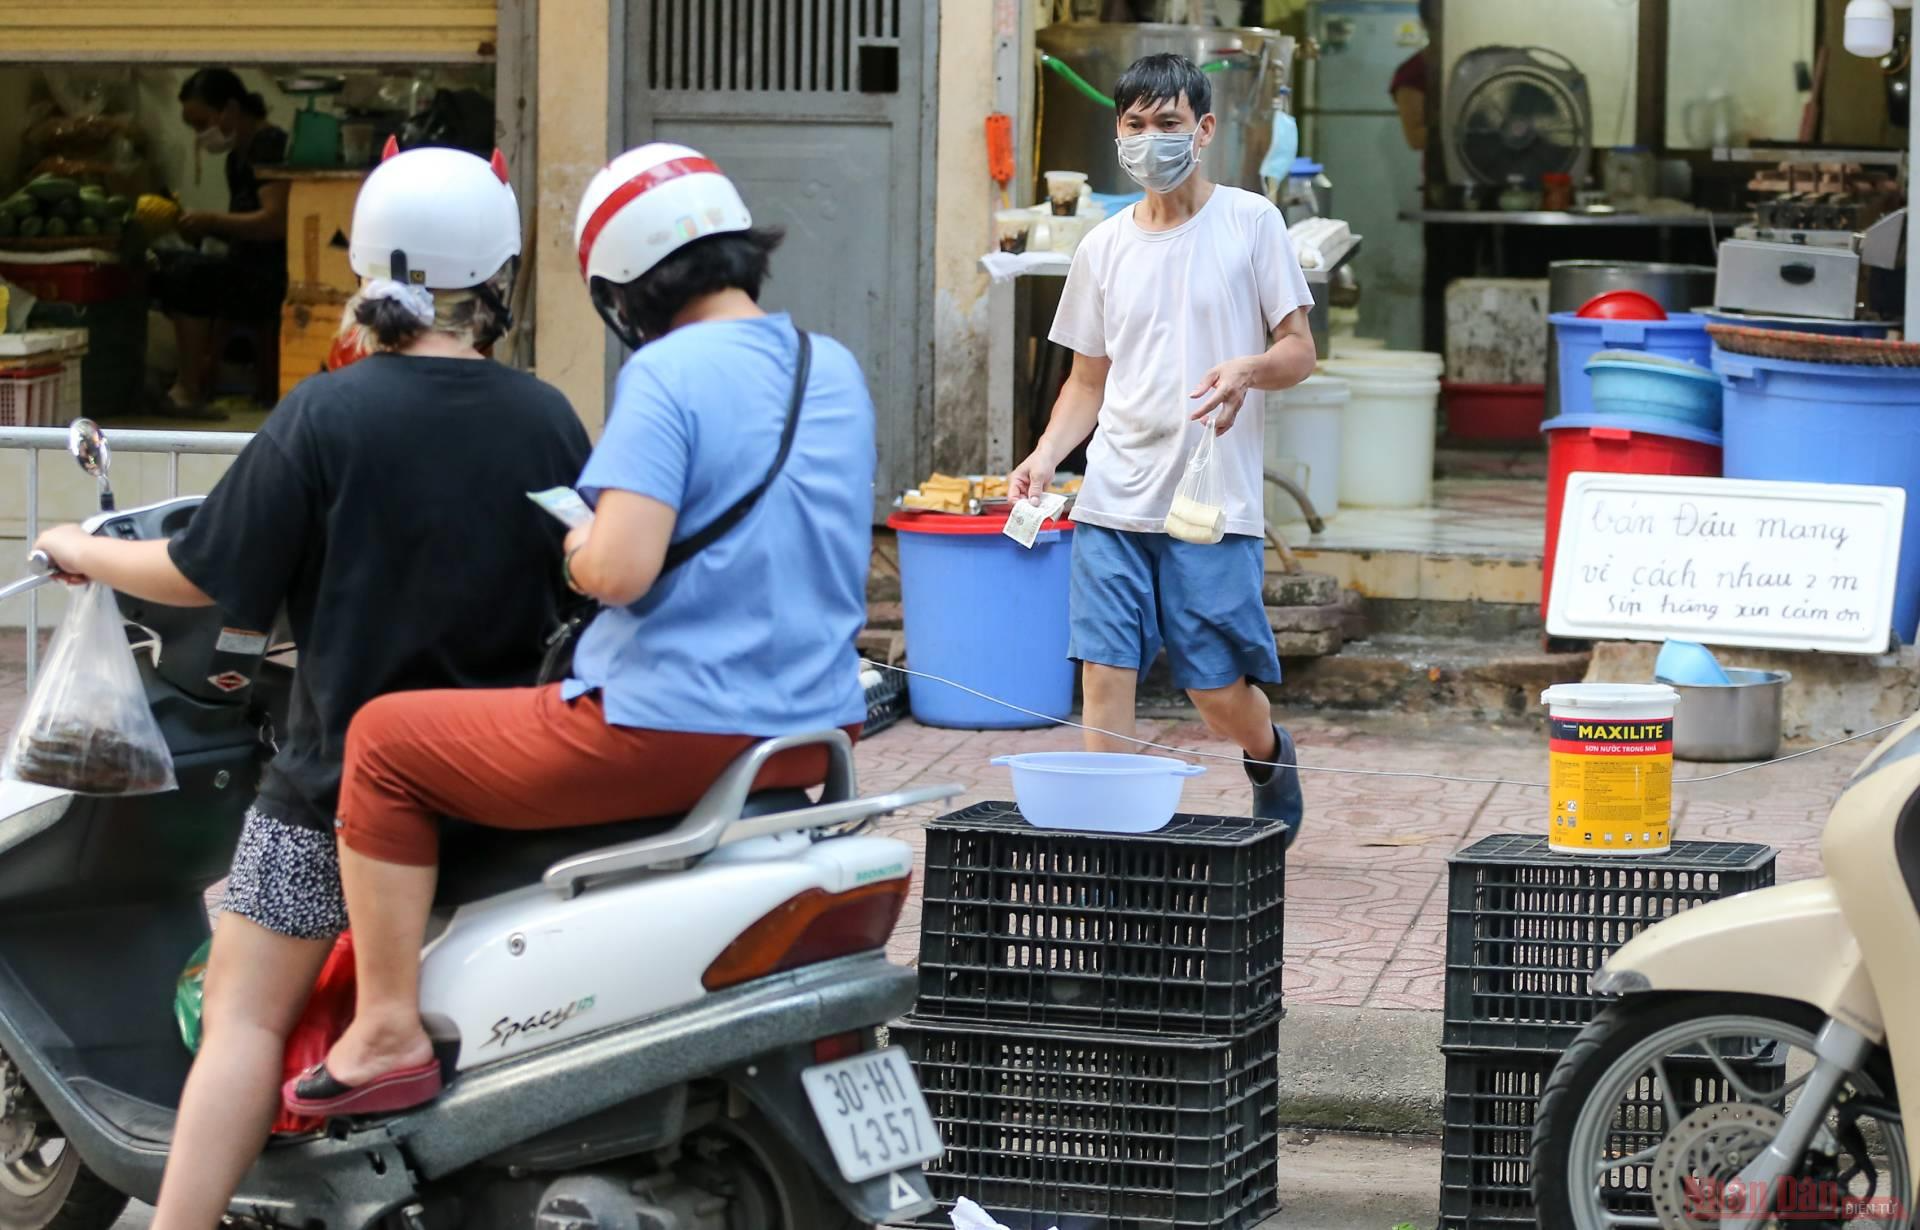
pixel 40 376
pixel 1097 1029
pixel 1526 929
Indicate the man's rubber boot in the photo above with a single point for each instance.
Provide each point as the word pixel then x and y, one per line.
pixel 1276 792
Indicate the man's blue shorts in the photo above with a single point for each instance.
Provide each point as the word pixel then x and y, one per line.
pixel 1133 592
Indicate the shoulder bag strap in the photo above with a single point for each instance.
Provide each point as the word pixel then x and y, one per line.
pixel 684 550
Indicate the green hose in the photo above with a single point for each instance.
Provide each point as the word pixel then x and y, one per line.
pixel 1080 83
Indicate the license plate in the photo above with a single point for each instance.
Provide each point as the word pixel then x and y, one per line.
pixel 873 1113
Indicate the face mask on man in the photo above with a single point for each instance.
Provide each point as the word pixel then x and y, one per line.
pixel 1158 161
pixel 213 140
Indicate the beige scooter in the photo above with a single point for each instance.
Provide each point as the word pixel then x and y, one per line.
pixel 1747 1077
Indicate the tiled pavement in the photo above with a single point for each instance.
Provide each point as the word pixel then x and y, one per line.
pixel 1366 883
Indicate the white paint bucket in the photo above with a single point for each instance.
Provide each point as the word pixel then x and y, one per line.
pixel 1610 755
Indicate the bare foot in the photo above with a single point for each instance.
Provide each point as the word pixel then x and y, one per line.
pixel 371 1049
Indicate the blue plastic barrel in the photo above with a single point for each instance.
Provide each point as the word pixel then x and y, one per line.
pixel 1830 423
pixel 985 612
pixel 1682 335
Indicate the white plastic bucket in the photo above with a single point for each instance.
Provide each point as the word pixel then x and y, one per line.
pixel 1610 757
pixel 1303 442
pixel 1388 429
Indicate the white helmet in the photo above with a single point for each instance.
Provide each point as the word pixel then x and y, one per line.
pixel 439 218
pixel 644 206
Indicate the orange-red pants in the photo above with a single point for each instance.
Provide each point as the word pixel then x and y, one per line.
pixel 522 758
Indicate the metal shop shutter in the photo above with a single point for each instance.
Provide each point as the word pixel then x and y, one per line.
pixel 247 31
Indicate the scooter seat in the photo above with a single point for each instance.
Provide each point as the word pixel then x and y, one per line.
pixel 477 862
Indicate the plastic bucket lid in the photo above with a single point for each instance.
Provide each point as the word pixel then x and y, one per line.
pixel 1402 360
pixel 1315 390
pixel 1643 426
pixel 1602 700
pixel 1390 384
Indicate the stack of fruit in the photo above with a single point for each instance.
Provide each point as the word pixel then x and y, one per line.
pixel 54 207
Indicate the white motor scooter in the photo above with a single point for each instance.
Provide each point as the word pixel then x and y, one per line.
pixel 666 1023
pixel 1750 1074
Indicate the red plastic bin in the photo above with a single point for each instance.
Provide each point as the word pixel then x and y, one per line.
pixel 1494 412
pixel 77 282
pixel 1617 444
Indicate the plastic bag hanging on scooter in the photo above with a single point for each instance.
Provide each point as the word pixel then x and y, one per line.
pixel 87 726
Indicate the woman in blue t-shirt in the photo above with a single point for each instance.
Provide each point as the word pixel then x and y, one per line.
pixel 707 641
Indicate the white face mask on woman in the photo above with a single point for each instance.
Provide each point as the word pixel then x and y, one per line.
pixel 213 140
pixel 1158 161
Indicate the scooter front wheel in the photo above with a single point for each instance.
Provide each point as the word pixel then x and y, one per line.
pixel 50 1188
pixel 1665 1098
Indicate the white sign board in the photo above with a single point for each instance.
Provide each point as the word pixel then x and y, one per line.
pixel 1727 562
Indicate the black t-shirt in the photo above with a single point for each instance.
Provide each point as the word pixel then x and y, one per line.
pixel 267 147
pixel 385 506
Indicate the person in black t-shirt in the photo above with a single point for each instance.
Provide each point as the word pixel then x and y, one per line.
pixel 384 507
pixel 204 296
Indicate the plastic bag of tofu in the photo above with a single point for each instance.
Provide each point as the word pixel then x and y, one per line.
pixel 1199 511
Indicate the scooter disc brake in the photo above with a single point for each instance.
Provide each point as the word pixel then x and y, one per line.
pixel 19 1133
pixel 1711 1146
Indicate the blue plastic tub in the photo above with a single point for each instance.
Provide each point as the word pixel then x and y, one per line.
pixel 1680 336
pixel 1670 390
pixel 1830 423
pixel 985 612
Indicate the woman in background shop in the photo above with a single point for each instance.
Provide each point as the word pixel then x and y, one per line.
pixel 207 296
pixel 1409 87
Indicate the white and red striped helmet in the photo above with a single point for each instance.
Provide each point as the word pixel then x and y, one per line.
pixel 647 204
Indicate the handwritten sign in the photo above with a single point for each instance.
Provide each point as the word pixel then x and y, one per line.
pixel 1727 562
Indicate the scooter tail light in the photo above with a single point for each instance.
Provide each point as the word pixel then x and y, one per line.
pixel 839 1046
pixel 814 926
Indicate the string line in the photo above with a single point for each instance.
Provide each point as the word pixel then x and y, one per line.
pixel 1309 768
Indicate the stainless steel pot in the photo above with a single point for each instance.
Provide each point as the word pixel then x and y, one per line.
pixel 1077 133
pixel 1730 721
pixel 1677 288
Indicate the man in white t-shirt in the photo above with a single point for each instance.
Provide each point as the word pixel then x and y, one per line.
pixel 1180 311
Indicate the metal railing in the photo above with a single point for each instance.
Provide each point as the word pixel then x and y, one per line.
pixel 36 440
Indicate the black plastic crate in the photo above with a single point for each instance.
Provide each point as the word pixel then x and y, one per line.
pixel 1174 932
pixel 1527 928
pixel 1049 1127
pixel 1492 1097
pixel 886 702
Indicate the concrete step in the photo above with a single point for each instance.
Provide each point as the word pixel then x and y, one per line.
pixel 1444 679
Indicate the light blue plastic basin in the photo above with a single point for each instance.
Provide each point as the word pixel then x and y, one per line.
pixel 1098 792
pixel 1678 392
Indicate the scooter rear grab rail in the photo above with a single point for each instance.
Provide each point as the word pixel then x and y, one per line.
pixel 718 818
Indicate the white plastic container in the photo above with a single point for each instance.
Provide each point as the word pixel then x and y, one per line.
pixel 1610 757
pixel 1388 430
pixel 1097 792
pixel 1303 442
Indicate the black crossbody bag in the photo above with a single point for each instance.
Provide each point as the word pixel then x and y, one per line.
pixel 557 661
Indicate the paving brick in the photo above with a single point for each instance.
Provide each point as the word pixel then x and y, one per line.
pixel 1308 644
pixel 1300 589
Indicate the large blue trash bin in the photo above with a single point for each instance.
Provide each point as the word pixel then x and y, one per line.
pixel 984 611
pixel 1830 423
